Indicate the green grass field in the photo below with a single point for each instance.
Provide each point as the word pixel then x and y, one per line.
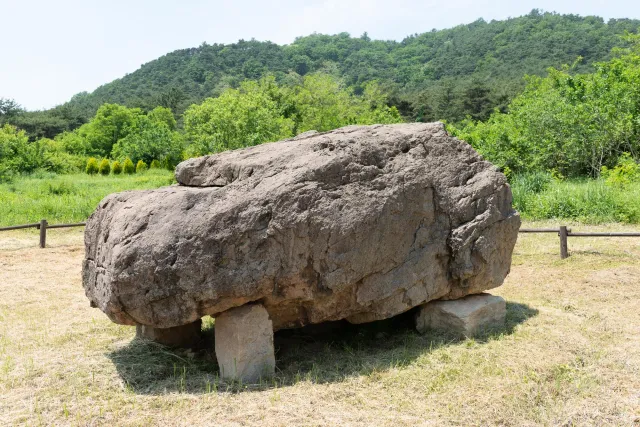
pixel 587 201
pixel 67 198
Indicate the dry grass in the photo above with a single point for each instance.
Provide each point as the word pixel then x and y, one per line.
pixel 570 354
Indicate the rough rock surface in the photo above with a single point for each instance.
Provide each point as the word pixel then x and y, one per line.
pixel 244 344
pixel 465 316
pixel 362 223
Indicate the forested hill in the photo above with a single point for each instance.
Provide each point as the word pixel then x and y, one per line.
pixel 447 74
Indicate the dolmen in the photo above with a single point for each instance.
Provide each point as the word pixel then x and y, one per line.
pixel 361 223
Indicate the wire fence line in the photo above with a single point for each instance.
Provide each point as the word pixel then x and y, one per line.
pixel 562 231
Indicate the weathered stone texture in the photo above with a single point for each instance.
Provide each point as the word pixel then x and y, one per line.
pixel 244 344
pixel 362 223
pixel 465 316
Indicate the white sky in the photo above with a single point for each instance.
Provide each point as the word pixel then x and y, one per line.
pixel 53 49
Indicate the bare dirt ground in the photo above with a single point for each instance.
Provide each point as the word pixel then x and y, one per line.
pixel 569 355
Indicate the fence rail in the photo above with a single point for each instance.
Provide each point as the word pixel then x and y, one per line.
pixel 43 225
pixel 563 232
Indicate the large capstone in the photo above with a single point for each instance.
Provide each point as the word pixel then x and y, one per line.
pixel 361 223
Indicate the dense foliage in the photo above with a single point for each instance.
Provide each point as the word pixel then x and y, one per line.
pixel 18 154
pixel 262 111
pixel 447 74
pixel 571 124
pixel 258 111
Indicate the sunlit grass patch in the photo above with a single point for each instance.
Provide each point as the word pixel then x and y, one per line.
pixel 67 198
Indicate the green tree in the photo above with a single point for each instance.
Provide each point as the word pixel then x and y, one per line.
pixel 171 99
pixel 92 166
pixel 237 118
pixel 374 108
pixel 150 140
pixel 163 115
pixel 111 123
pixel 73 142
pixel 570 123
pixel 141 166
pixel 476 100
pixel 116 168
pixel 17 153
pixel 9 108
pixel 128 167
pixel 105 167
pixel 322 103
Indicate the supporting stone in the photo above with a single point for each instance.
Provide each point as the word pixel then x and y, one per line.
pixel 466 316
pixel 244 344
pixel 179 336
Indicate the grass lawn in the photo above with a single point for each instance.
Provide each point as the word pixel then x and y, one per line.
pixel 584 200
pixel 569 354
pixel 67 198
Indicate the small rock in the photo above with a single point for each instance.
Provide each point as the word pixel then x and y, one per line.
pixel 244 344
pixel 465 316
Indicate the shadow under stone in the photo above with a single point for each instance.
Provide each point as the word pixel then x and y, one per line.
pixel 328 352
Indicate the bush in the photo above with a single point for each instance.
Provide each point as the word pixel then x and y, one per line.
pixel 63 163
pixel 92 166
pixel 116 168
pixel 624 173
pixel 128 167
pixel 141 166
pixel 6 174
pixel 105 167
pixel 155 165
pixel 61 188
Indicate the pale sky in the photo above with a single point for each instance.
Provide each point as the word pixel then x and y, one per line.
pixel 53 49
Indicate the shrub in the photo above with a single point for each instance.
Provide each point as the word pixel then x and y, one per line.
pixel 141 166
pixel 105 167
pixel 624 173
pixel 61 188
pixel 92 166
pixel 128 167
pixel 116 168
pixel 6 174
pixel 155 165
pixel 63 163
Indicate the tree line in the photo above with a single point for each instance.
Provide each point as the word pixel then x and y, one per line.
pixel 257 111
pixel 568 124
pixel 468 70
pixel 577 120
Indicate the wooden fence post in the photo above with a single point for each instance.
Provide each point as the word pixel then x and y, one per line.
pixel 43 233
pixel 564 247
